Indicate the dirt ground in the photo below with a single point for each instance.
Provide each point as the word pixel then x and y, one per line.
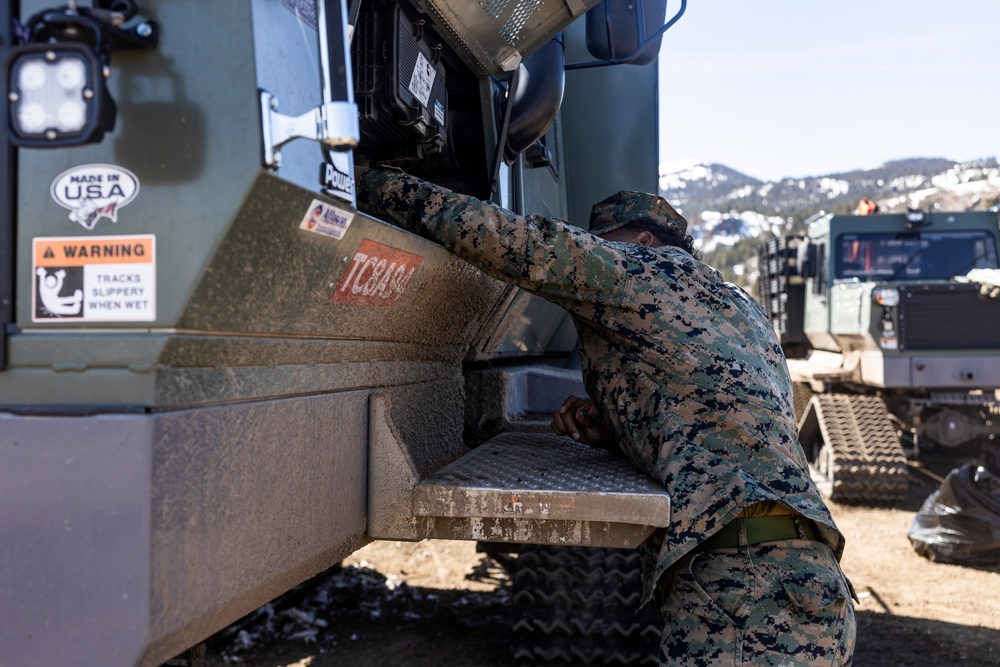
pixel 442 604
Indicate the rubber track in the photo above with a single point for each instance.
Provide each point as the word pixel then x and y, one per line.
pixel 801 394
pixel 580 606
pixel 862 461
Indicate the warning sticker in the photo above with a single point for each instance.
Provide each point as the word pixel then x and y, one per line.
pixel 422 79
pixel 378 275
pixel 96 279
pixel 327 220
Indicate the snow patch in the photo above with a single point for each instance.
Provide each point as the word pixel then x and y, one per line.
pixel 833 187
pixel 728 229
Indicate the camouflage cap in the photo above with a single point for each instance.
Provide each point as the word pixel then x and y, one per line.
pixel 628 206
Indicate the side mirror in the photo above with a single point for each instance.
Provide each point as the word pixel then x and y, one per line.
pixel 623 30
pixel 808 260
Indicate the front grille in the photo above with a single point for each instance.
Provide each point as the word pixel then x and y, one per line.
pixel 948 317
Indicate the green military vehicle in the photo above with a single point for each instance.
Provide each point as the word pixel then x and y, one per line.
pixel 889 323
pixel 217 376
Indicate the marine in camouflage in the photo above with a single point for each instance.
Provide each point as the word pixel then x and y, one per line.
pixel 683 366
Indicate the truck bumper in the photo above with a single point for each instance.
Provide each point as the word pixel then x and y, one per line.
pixel 920 371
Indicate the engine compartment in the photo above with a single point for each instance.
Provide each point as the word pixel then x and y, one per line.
pixel 419 104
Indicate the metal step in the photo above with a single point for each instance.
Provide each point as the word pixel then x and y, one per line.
pixel 541 489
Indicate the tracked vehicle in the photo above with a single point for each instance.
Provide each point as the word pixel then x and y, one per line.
pixel 217 376
pixel 889 323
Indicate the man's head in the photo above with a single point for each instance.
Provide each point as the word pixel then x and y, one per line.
pixel 640 218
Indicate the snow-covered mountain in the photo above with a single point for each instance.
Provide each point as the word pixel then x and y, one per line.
pixel 729 212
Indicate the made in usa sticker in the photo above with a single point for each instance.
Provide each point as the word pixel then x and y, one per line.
pixel 94 191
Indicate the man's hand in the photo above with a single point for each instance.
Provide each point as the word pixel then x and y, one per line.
pixel 579 419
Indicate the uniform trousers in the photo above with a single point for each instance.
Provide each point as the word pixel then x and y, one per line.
pixel 783 603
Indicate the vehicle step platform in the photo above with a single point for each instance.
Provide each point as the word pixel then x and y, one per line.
pixel 541 489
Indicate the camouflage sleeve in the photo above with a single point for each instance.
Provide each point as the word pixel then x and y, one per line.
pixel 545 256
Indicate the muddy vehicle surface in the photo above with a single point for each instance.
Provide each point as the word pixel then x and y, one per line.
pixel 218 377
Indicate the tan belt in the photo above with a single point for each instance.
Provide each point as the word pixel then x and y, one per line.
pixel 756 530
pixel 765 508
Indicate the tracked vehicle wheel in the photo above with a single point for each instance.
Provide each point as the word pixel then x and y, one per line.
pixel 853 449
pixel 580 606
pixel 802 393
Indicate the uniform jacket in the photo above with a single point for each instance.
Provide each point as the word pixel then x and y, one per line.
pixel 684 366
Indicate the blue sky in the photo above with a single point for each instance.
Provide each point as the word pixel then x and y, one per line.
pixel 779 88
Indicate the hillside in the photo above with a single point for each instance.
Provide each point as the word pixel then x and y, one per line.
pixel 730 212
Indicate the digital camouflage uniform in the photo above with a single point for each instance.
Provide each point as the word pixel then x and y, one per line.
pixel 687 371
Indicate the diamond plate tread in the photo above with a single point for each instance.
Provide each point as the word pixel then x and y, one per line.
pixel 542 476
pixel 861 460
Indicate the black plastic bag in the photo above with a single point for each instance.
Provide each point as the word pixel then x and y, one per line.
pixel 960 522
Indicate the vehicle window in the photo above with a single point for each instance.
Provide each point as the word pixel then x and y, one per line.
pixel 914 255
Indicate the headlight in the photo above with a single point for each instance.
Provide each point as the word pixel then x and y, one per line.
pixel 57 95
pixel 887 297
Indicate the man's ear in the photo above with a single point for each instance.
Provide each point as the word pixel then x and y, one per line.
pixel 645 238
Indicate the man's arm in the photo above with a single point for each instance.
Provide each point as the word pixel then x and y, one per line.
pixel 545 256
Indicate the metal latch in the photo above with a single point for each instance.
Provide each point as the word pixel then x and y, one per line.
pixel 332 124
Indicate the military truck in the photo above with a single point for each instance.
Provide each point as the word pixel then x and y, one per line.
pixel 889 322
pixel 217 376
